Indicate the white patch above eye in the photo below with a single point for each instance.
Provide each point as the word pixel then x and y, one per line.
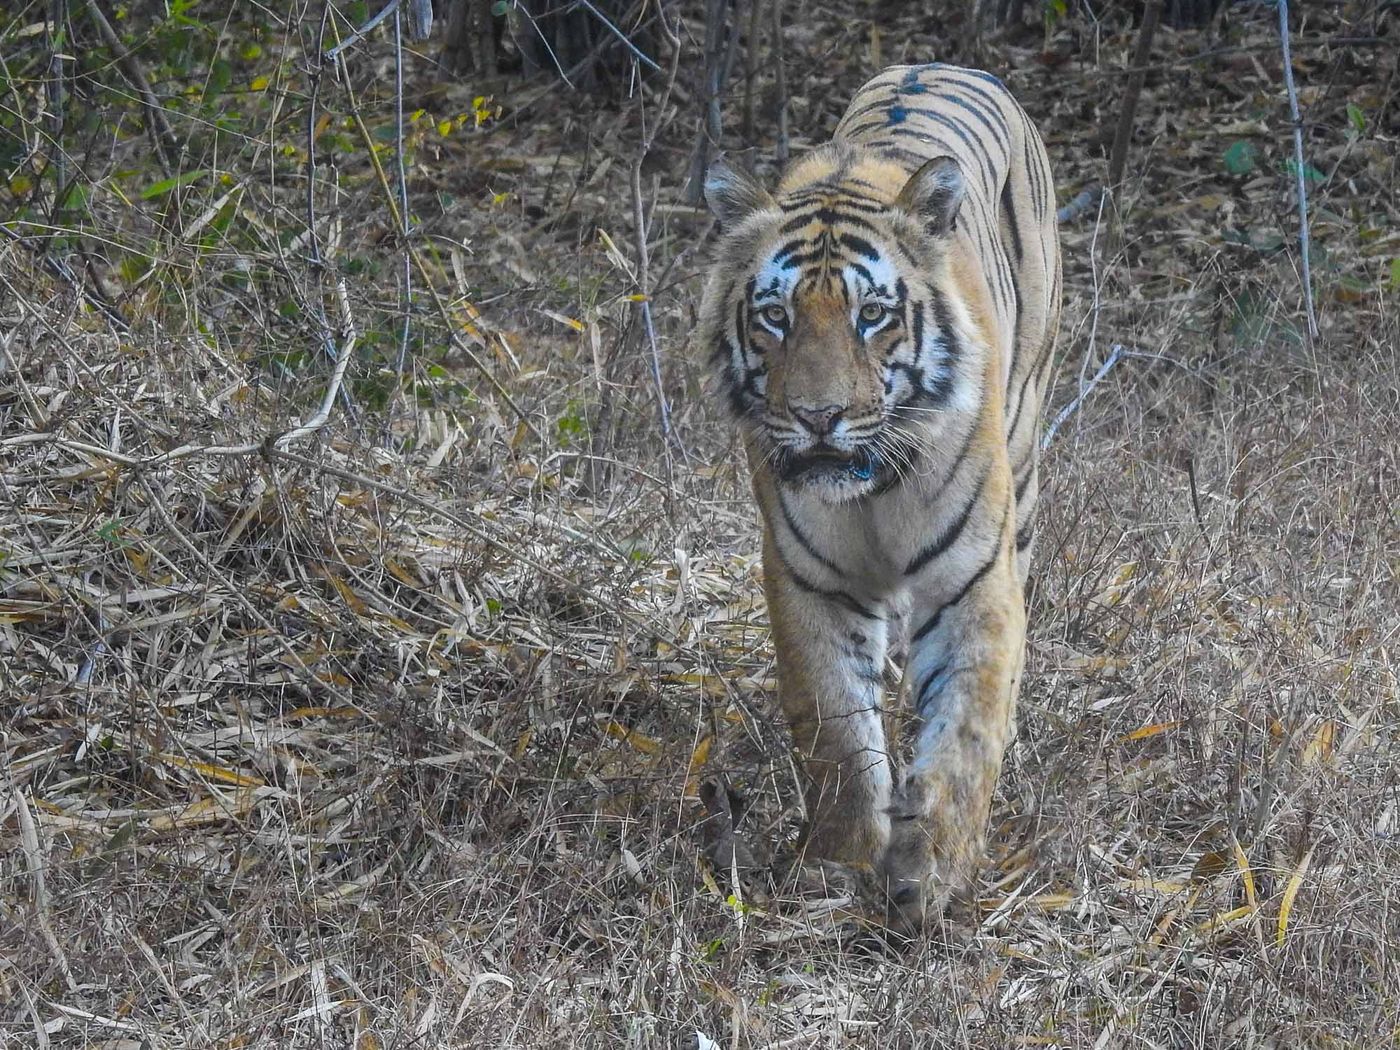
pixel 879 288
pixel 773 283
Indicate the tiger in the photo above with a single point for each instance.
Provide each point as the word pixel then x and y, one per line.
pixel 882 327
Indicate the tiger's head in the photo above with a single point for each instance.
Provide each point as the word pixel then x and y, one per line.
pixel 830 319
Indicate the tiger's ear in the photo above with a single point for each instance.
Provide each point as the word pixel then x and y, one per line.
pixel 933 195
pixel 732 193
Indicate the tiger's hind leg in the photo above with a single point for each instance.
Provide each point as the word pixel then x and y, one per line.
pixel 966 648
pixel 831 649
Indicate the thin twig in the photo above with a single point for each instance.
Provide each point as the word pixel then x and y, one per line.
pixel 312 681
pixel 751 68
pixel 643 255
pixel 318 263
pixel 1123 134
pixel 711 120
pixel 34 859
pixel 1073 406
pixel 453 335
pixel 309 426
pixel 406 281
pixel 167 145
pixel 1303 242
pixel 619 34
pixel 369 27
pixel 780 151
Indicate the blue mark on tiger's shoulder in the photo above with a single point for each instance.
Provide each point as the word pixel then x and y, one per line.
pixel 897 114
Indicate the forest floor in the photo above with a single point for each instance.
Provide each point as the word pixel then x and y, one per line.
pixel 390 735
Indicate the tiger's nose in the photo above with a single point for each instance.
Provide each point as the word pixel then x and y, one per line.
pixel 820 421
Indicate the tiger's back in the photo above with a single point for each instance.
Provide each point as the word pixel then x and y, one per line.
pixel 911 114
pixel 883 325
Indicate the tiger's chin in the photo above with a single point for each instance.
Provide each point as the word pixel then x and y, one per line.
pixel 830 474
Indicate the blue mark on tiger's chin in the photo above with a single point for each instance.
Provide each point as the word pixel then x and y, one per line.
pixel 834 474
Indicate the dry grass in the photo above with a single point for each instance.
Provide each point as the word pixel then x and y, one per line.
pixel 392 738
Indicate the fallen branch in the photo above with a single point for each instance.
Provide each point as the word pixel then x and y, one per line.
pixel 1114 357
pixel 1084 201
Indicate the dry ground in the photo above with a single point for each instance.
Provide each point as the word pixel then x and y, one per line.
pixel 392 738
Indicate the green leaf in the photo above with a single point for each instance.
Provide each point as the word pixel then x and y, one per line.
pixel 1240 158
pixel 164 186
pixel 1311 174
pixel 220 76
pixel 500 7
pixel 1357 116
pixel 1395 273
pixel 75 198
pixel 358 12
pixel 109 533
pixel 179 12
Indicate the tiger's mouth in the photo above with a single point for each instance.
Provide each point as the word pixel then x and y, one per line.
pixel 826 464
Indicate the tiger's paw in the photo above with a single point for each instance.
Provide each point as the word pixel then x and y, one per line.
pixel 914 892
pixel 915 873
pixel 827 880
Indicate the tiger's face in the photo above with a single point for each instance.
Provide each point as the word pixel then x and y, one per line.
pixel 837 349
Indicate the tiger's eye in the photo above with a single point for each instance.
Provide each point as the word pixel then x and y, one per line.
pixel 872 312
pixel 775 315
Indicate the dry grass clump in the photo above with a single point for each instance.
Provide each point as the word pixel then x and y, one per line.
pixel 391 734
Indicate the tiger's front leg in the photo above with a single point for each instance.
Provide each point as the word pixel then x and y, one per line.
pixel 830 647
pixel 965 656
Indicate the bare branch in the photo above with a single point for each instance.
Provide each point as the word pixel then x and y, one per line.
pixel 1301 168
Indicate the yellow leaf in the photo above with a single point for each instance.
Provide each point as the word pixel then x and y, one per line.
pixel 322 712
pixel 1290 894
pixel 401 574
pixel 206 811
pixel 700 755
pixel 259 84
pixel 1144 732
pixel 577 326
pixel 709 683
pixel 1242 862
pixel 1208 866
pixel 709 881
pixel 211 772
pixel 444 128
pixel 1319 748
pixel 1164 886
pixel 698 758
pixel 357 605
pixel 1219 922
pixel 639 741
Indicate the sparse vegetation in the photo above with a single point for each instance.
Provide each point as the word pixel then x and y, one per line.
pixel 364 645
